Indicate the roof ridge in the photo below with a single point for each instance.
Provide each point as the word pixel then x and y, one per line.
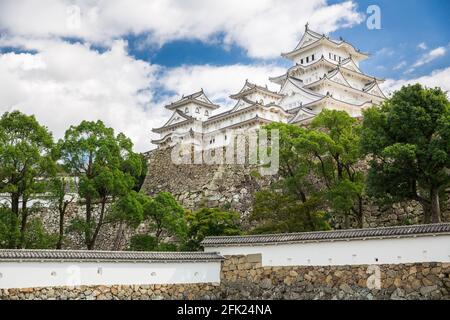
pixel 330 235
pixel 53 254
pixel 339 230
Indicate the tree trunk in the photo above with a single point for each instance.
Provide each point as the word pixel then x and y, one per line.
pixel 426 211
pixel 91 244
pixel 435 206
pixel 23 226
pixel 15 197
pixel 119 236
pixel 15 209
pixel 346 221
pixel 87 231
pixel 61 228
pixel 360 213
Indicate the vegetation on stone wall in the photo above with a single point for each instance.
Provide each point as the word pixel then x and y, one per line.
pixel 407 142
pixel 408 139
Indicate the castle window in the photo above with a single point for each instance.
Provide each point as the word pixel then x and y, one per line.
pixel 307 59
pixel 207 113
pixel 197 110
pixel 186 110
pixel 301 61
pixel 335 58
pixel 312 58
pixel 330 55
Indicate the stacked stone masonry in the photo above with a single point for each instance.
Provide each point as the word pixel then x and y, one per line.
pixel 243 277
pixel 233 187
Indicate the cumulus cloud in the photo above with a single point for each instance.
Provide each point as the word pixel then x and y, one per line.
pixel 68 83
pixel 218 81
pixel 430 56
pixel 438 78
pixel 65 83
pixel 262 27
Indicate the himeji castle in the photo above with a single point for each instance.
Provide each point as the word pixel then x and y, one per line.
pixel 325 75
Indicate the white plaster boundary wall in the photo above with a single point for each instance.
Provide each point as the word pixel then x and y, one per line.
pixel 60 268
pixel 432 248
pixel 56 274
pixel 278 251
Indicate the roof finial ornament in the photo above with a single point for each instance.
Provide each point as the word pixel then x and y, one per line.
pixel 307 26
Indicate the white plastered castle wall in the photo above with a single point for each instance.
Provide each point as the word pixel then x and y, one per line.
pixel 55 273
pixel 353 252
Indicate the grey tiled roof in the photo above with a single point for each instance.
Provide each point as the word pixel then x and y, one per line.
pixel 119 256
pixel 337 235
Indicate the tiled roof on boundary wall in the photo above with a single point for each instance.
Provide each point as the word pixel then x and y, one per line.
pixel 112 256
pixel 336 235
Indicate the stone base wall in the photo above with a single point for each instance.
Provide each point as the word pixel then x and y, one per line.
pixel 230 187
pixel 136 292
pixel 233 187
pixel 243 277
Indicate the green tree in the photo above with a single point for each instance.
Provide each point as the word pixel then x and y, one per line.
pixel 296 164
pixel 146 242
pixel 408 140
pixel 336 148
pixel 318 166
pixel 38 237
pixel 141 178
pixel 210 222
pixel 61 190
pixel 106 168
pixel 165 217
pixel 9 228
pixel 127 211
pixel 275 212
pixel 25 162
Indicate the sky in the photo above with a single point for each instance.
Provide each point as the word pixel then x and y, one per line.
pixel 121 61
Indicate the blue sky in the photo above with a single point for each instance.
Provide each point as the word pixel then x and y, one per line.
pixel 405 25
pixel 121 62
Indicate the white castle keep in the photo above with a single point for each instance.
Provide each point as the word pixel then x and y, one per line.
pixel 325 75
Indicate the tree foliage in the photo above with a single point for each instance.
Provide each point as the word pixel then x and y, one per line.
pixel 25 161
pixel 106 168
pixel 318 169
pixel 338 157
pixel 208 222
pixel 274 212
pixel 165 217
pixel 408 139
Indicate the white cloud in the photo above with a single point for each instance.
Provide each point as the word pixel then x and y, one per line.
pixel 401 65
pixel 438 78
pixel 218 81
pixel 422 46
pixel 65 83
pixel 263 28
pixel 430 56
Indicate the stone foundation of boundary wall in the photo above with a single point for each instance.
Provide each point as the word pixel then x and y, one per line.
pixel 243 277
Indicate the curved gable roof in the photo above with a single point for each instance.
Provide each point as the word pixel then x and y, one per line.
pixel 198 98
